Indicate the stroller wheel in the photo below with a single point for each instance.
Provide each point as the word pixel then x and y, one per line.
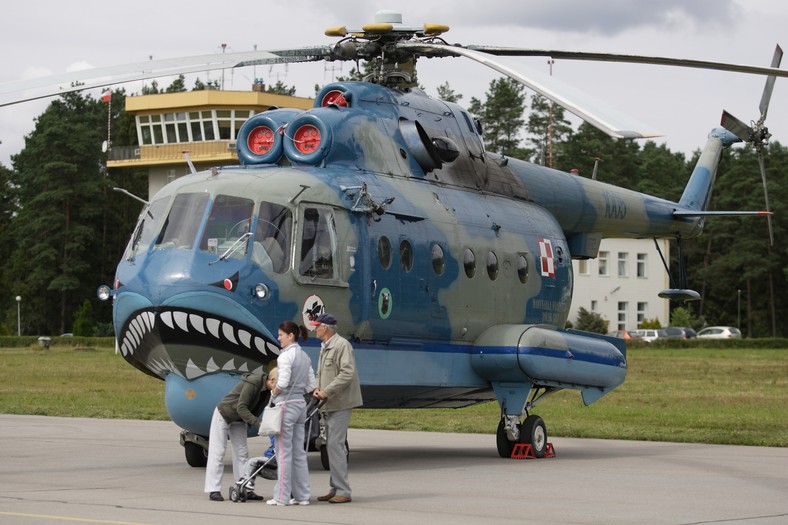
pixel 235 494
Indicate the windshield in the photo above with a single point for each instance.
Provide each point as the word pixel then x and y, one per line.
pixel 183 221
pixel 228 226
pixel 146 228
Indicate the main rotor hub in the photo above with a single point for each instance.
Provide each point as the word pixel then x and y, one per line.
pixel 377 43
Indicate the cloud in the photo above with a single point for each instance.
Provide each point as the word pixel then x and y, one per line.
pixel 598 17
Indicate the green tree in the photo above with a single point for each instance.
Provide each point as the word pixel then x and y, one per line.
pixel 620 159
pixel 84 323
pixel 281 89
pixel 547 127
pixel 741 274
pixel 445 92
pixel 590 322
pixel 61 191
pixel 502 116
pixel 178 85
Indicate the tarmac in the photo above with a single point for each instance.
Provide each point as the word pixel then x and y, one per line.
pixel 92 471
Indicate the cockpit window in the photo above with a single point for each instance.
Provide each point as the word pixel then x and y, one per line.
pixel 148 224
pixel 271 249
pixel 318 243
pixel 183 221
pixel 229 227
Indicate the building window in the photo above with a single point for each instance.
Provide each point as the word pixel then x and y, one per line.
pixel 582 267
pixel 594 305
pixel 195 126
pixel 622 264
pixel 641 265
pixel 603 263
pixel 642 310
pixel 622 315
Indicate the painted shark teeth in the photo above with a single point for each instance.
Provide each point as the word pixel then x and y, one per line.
pixel 144 323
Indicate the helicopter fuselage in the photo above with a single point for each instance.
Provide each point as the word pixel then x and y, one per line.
pixel 447 266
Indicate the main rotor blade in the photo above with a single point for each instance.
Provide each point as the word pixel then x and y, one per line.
pixel 736 126
pixel 25 90
pixel 633 59
pixel 769 87
pixel 593 111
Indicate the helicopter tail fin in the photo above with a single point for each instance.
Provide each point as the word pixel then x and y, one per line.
pixel 697 193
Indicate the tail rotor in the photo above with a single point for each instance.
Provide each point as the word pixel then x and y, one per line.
pixel 757 133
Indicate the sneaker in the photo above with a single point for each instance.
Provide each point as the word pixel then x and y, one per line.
pixel 215 496
pixel 298 502
pixel 274 502
pixel 254 497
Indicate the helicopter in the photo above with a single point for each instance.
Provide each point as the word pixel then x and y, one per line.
pixel 449 267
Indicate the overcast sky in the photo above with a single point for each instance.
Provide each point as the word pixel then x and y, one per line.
pixel 47 37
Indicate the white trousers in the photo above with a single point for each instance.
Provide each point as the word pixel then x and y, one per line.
pixel 217 446
pixel 292 468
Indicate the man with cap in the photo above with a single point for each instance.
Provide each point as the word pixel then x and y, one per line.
pixel 338 384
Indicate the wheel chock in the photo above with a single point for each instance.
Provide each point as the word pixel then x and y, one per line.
pixel 525 451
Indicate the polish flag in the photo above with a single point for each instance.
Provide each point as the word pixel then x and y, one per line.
pixel 106 96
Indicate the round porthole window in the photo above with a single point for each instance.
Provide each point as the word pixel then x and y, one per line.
pixel 522 268
pixel 384 252
pixel 406 255
pixel 492 266
pixel 438 262
pixel 469 261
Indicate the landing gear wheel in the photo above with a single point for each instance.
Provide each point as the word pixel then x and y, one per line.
pixel 196 456
pixel 505 446
pixel 534 431
pixel 324 455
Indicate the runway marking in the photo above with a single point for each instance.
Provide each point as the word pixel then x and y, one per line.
pixel 66 518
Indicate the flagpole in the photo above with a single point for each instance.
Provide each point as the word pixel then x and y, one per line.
pixel 109 122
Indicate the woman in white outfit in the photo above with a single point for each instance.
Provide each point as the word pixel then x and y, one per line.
pixel 294 381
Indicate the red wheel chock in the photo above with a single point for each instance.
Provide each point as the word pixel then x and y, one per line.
pixel 524 451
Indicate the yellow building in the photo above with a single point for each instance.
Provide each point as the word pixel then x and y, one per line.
pixel 202 123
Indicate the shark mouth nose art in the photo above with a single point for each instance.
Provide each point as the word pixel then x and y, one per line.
pixel 192 344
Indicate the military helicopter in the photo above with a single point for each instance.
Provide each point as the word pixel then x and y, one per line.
pixel 447 266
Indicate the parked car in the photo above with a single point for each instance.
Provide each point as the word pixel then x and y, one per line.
pixel 679 332
pixel 622 334
pixel 720 332
pixel 649 334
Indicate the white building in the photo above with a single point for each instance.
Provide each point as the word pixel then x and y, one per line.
pixel 622 283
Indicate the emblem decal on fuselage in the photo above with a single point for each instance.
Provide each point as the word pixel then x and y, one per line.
pixel 313 306
pixel 546 260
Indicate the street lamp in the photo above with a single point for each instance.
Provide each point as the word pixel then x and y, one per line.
pixel 18 316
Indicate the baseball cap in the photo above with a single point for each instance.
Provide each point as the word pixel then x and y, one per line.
pixel 324 319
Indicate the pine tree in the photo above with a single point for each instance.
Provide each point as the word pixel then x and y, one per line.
pixel 60 186
pixel 502 116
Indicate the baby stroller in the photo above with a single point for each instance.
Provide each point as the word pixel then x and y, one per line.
pixel 265 467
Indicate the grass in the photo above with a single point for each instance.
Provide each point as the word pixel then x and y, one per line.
pixel 701 395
